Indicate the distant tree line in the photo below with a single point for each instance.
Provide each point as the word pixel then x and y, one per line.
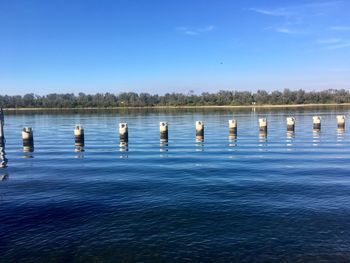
pixel 131 99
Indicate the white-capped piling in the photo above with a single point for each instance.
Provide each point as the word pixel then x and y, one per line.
pixel 123 134
pixel 199 131
pixel 232 126
pixel 2 134
pixel 79 136
pixel 341 122
pixel 290 124
pixel 28 139
pixel 263 125
pixel 316 120
pixel 163 130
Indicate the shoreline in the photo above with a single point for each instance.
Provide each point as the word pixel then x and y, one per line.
pixel 186 107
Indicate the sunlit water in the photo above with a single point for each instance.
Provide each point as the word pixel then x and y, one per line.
pixel 280 198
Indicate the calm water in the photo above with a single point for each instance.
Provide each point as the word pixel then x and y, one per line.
pixel 280 198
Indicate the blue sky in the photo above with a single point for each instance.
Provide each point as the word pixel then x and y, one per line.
pixel 161 46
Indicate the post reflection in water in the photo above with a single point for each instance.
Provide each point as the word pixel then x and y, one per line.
pixel 316 137
pixel 262 134
pixel 28 154
pixel 79 150
pixel 3 159
pixel 340 135
pixel 232 140
pixel 28 150
pixel 262 140
pixel 232 146
pixel 3 165
pixel 123 149
pixel 163 149
pixel 290 139
pixel 199 145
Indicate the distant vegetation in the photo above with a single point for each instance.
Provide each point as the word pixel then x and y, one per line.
pixel 131 99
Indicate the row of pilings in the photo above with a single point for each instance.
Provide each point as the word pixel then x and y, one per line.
pixel 79 136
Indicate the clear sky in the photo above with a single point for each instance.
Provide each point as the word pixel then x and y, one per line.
pixel 160 46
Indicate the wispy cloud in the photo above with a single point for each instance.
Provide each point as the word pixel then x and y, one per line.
pixel 339 28
pixel 187 31
pixel 192 31
pixel 329 40
pixel 286 30
pixel 271 12
pixel 345 44
pixel 334 43
pixel 295 19
pixel 207 29
pixel 297 10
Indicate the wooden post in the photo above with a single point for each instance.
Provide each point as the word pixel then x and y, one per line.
pixel 232 126
pixel 263 125
pixel 163 129
pixel 79 136
pixel 123 134
pixel 290 124
pixel 316 123
pixel 199 131
pixel 28 140
pixel 341 122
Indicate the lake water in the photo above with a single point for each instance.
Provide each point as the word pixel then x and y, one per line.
pixel 254 199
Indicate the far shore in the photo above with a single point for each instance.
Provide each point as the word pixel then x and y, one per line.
pixel 186 107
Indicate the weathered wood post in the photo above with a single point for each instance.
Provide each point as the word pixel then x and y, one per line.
pixel 123 134
pixel 341 122
pixel 199 131
pixel 163 129
pixel 316 123
pixel 28 140
pixel 290 124
pixel 79 136
pixel 232 126
pixel 2 134
pixel 262 127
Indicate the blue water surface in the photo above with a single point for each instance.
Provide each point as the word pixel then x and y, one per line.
pixel 284 197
